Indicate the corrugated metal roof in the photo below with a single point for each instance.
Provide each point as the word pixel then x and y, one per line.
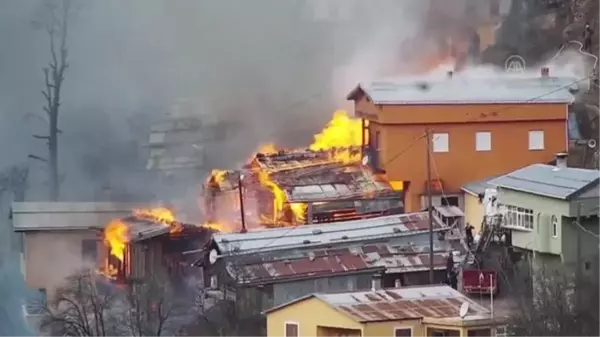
pixel 547 180
pixel 393 258
pixel 311 235
pixel 27 216
pixel 402 303
pixel 464 89
pixel 479 187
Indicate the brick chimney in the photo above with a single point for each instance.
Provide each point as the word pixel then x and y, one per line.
pixel 545 72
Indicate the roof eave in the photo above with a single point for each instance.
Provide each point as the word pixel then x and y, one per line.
pixel 310 277
pixel 466 190
pixel 530 192
pixel 382 102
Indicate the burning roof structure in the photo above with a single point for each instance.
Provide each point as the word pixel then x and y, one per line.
pixel 149 242
pixel 323 183
pixel 393 244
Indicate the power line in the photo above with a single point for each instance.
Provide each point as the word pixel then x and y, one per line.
pixel 416 139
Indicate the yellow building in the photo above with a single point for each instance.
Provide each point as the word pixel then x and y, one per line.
pixel 409 311
pixel 474 206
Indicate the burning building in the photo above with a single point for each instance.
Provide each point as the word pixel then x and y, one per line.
pixel 326 182
pixel 149 243
pixel 302 187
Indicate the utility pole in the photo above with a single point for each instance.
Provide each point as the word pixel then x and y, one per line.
pixel 241 194
pixel 578 228
pixel 429 206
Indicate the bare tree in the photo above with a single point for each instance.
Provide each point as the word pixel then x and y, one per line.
pixel 54 75
pixel 556 303
pixel 81 307
pixel 14 180
pixel 152 308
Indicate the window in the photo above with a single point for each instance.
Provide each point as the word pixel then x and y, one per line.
pixel 495 8
pixel 450 201
pixel 554 226
pixel 519 217
pixel 377 141
pixel 440 142
pixel 89 250
pixel 501 331
pixel 536 140
pixel 483 141
pixel 479 332
pixel 291 329
pixel 214 283
pixel 403 332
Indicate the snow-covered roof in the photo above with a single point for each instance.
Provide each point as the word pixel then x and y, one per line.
pixel 469 89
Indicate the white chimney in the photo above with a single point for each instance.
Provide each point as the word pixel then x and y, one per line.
pixel 376 282
pixel 561 160
pixel 545 72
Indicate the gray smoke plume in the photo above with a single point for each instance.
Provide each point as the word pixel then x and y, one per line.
pixel 275 70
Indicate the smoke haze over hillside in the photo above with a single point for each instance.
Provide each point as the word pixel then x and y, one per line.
pixel 278 68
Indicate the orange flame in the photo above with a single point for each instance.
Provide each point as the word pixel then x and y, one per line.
pixel 218 176
pixel 278 194
pixel 299 210
pixel 116 237
pixel 161 214
pixel 268 148
pixel 217 226
pixel 339 135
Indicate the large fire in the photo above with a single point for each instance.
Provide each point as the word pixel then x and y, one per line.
pixel 340 135
pixel 116 236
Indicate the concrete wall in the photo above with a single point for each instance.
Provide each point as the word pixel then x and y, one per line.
pixel 540 237
pixel 50 256
pixel 474 211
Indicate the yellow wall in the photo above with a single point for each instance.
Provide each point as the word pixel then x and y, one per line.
pixel 308 314
pixel 473 212
pixel 387 328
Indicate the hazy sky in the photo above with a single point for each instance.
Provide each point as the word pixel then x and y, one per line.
pixel 279 68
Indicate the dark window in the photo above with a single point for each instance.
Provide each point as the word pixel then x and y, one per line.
pixel 89 250
pixel 291 330
pixel 450 201
pixel 479 332
pixel 587 265
pixel 403 332
pixel 495 7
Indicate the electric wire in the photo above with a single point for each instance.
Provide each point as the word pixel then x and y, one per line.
pixel 416 139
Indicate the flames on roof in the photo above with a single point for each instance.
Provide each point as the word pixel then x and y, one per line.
pixel 282 184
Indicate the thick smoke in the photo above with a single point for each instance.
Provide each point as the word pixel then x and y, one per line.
pixel 275 70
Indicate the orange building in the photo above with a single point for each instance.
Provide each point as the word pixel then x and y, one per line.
pixel 479 127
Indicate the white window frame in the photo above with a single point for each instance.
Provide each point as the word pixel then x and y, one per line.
pixel 483 141
pixel 519 218
pixel 440 142
pixel 554 222
pixel 286 323
pixel 536 140
pixel 396 328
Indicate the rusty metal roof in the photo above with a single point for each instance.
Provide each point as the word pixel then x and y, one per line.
pixel 402 303
pixel 345 232
pixel 385 257
pixel 307 176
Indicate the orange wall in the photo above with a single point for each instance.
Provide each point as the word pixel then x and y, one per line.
pixel 401 125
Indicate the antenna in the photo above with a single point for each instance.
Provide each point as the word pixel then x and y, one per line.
pixel 212 256
pixel 464 309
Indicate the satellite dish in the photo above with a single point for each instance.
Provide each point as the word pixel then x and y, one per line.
pixel 464 309
pixel 591 143
pixel 365 160
pixel 213 256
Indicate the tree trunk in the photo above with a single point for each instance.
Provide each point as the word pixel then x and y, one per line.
pixel 53 154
